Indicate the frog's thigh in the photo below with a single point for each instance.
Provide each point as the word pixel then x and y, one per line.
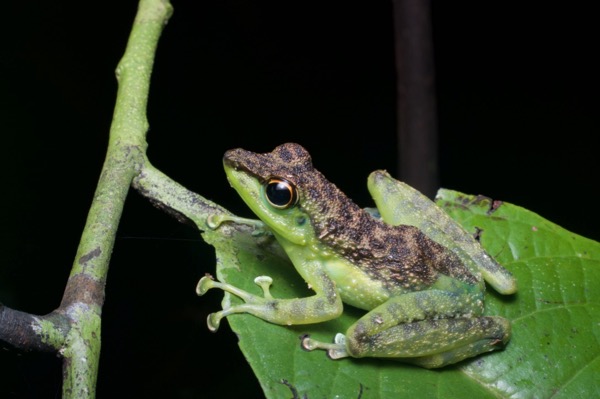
pixel 433 343
pixel 435 339
pixel 420 305
pixel 479 332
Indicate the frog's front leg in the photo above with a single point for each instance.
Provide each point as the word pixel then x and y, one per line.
pixel 325 305
pixel 428 328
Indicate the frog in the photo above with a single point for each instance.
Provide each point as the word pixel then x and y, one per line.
pixel 421 284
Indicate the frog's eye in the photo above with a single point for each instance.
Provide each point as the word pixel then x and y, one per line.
pixel 280 193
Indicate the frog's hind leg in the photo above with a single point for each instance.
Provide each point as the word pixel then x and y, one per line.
pixel 429 343
pixel 430 328
pixel 479 346
pixel 433 343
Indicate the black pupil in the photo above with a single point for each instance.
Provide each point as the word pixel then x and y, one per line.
pixel 280 193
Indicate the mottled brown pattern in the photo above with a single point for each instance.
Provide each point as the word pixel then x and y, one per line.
pixel 396 255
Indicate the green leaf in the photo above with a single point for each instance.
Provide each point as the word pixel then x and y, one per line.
pixel 554 350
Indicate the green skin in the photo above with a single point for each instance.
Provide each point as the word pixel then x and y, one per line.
pixel 421 281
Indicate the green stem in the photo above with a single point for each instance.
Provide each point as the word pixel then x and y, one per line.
pixel 175 199
pixel 186 205
pixel 84 295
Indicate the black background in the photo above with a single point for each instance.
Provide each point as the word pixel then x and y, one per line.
pixel 517 108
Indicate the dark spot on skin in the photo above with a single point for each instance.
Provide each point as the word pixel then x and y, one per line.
pixel 330 291
pixel 319 305
pixel 396 311
pixel 285 154
pixel 360 338
pixel 271 305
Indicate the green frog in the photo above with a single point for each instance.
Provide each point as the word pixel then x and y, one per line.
pixel 421 282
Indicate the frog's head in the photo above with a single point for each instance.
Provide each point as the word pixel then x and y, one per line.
pixel 281 187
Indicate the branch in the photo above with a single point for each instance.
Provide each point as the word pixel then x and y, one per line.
pixel 187 206
pixel 175 199
pixel 28 332
pixel 73 330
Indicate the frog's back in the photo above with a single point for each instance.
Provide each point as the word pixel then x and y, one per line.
pixel 397 257
pixel 400 257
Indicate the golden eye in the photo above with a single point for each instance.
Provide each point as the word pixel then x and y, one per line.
pixel 280 193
